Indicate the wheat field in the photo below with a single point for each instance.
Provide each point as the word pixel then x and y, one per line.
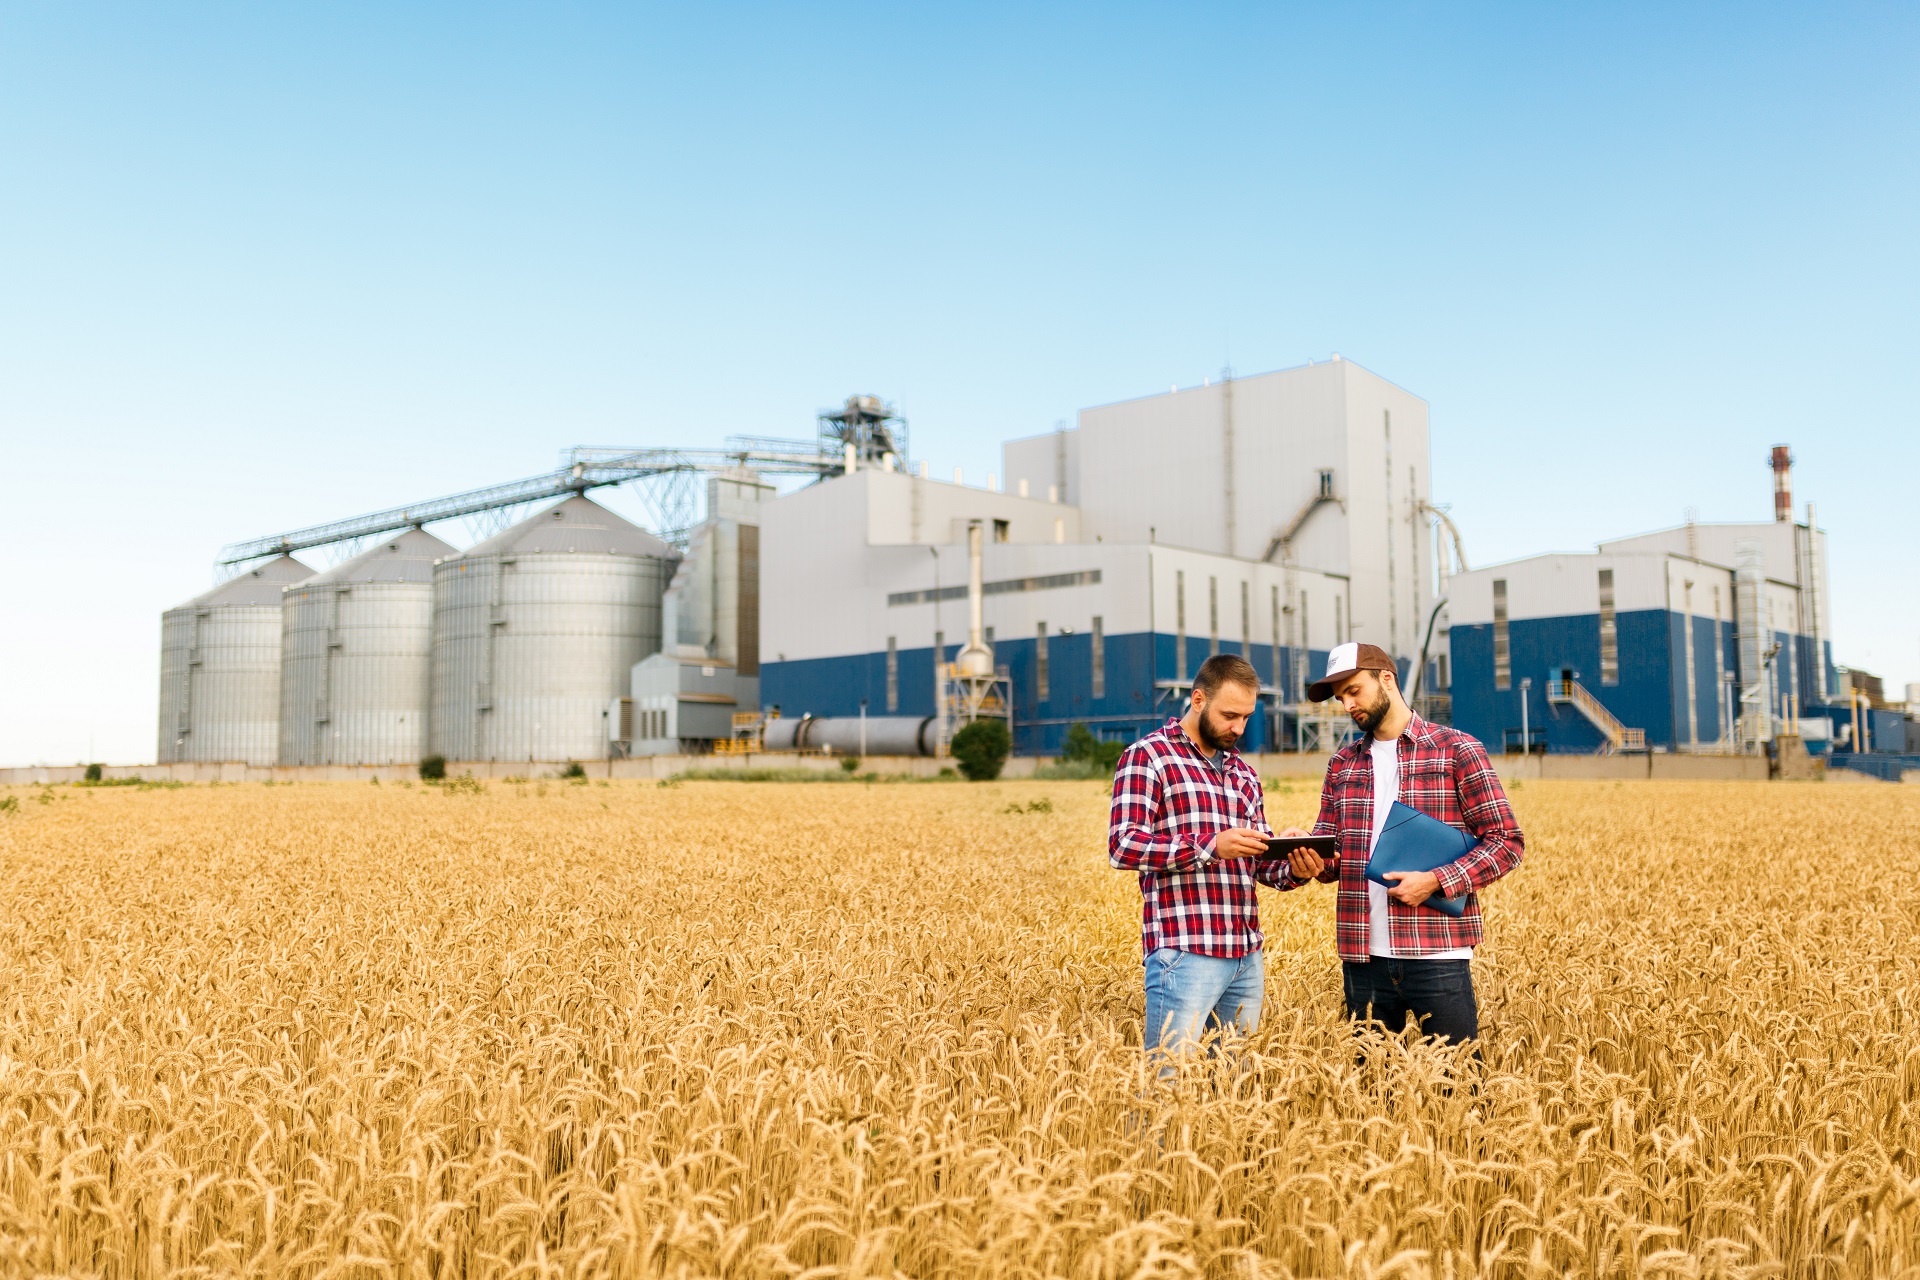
pixel 850 1030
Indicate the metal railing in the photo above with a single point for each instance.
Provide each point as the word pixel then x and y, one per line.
pixel 1619 737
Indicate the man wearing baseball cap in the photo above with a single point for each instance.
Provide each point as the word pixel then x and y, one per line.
pixel 1399 958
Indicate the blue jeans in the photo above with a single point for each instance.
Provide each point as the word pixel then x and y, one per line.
pixel 1439 993
pixel 1189 994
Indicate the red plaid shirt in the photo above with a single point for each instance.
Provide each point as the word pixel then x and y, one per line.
pixel 1169 803
pixel 1445 774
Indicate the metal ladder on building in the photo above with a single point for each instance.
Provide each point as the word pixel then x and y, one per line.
pixel 1618 736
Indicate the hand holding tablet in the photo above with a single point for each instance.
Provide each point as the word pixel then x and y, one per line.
pixel 1308 857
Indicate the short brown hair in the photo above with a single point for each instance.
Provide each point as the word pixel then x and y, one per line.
pixel 1225 668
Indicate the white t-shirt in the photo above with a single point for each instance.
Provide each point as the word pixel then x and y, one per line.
pixel 1386 790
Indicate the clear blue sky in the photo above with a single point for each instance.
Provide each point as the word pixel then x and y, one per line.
pixel 263 266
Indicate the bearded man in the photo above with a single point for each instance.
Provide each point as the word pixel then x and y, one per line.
pixel 1399 958
pixel 1190 820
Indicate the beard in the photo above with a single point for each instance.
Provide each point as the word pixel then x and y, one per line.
pixel 1370 717
pixel 1215 735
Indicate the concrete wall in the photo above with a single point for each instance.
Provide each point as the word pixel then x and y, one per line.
pixel 1657 767
pixel 1268 766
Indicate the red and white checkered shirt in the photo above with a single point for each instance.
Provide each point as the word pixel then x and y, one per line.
pixel 1169 803
pixel 1445 774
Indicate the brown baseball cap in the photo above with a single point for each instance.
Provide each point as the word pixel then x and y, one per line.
pixel 1345 659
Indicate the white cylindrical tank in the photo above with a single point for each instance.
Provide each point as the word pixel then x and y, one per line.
pixel 536 631
pixel 220 670
pixel 355 645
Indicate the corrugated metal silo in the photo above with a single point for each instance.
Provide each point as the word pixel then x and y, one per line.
pixel 535 632
pixel 220 669
pixel 355 648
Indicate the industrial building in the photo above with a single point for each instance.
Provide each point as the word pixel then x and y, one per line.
pixel 1703 638
pixel 1269 516
pixel 875 608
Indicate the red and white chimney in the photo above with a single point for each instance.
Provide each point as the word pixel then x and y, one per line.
pixel 1782 484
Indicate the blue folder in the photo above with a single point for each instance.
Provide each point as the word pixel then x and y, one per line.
pixel 1411 841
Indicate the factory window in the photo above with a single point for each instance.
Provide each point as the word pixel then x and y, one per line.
pixel 1306 634
pixel 1059 529
pixel 893 676
pixel 1000 530
pixel 1040 663
pixel 1339 620
pixel 939 649
pixel 1179 624
pixel 1099 658
pixel 1502 655
pixel 1246 621
pixel 1213 616
pixel 989 637
pixel 1609 632
pixel 1444 682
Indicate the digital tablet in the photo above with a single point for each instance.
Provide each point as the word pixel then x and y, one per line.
pixel 1281 846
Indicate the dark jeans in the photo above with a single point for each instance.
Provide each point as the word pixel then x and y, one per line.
pixel 1437 992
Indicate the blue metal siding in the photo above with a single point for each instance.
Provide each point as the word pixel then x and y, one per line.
pixel 1651 695
pixel 1541 648
pixel 1131 706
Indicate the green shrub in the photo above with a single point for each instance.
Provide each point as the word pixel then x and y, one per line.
pixel 1082 745
pixel 93 773
pixel 433 769
pixel 850 763
pixel 574 769
pixel 981 748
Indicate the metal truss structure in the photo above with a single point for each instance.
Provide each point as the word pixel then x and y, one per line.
pixel 666 478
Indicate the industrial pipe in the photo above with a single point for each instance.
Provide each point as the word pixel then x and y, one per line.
pixel 885 735
pixel 976 659
pixel 784 734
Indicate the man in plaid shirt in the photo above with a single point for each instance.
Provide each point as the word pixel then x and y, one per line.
pixel 1188 817
pixel 1399 958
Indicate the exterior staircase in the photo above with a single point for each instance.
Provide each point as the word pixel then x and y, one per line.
pixel 1618 736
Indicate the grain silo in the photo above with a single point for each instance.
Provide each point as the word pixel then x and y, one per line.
pixel 535 632
pixel 220 669
pixel 355 646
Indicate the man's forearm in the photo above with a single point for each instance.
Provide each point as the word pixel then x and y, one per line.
pixel 1136 849
pixel 1497 854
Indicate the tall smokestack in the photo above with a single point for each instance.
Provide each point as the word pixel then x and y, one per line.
pixel 1782 484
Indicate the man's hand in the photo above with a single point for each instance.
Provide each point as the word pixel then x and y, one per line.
pixel 1412 887
pixel 1239 842
pixel 1306 864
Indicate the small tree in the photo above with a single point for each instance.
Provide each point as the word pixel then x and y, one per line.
pixel 1082 745
pixel 981 747
pixel 850 764
pixel 574 769
pixel 93 773
pixel 433 769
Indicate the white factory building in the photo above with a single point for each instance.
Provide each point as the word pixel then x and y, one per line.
pixel 1271 516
